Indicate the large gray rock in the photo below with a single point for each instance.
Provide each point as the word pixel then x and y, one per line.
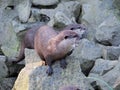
pixel 34 77
pixel 8 40
pixel 96 11
pixel 7 83
pixel 45 2
pixel 23 9
pixel 31 56
pixel 103 66
pixel 10 45
pixel 89 50
pixel 111 52
pixel 108 35
pixel 5 3
pixel 117 84
pixel 3 67
pixel 65 13
pixel 112 76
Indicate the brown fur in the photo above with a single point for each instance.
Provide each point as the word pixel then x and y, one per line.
pixel 28 40
pixel 51 46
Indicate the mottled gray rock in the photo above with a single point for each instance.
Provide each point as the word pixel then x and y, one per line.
pixel 66 11
pixel 112 76
pixel 34 77
pixel 7 83
pixel 108 35
pixel 98 81
pixel 8 39
pixel 38 15
pixel 3 67
pixel 117 84
pixel 10 45
pixel 103 66
pixel 89 50
pixel 45 2
pixel 95 12
pixel 31 56
pixel 5 3
pixel 111 52
pixel 23 9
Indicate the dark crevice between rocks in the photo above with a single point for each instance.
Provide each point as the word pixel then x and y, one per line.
pixel 13 69
pixel 12 7
pixel 79 15
pixel 1 53
pixel 86 67
pixel 105 43
pixel 42 18
pixel 44 7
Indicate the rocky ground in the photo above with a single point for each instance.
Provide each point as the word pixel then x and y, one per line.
pixel 94 64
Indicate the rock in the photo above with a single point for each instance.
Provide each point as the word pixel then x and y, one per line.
pixel 95 12
pixel 102 66
pixel 98 82
pixel 4 3
pixel 114 73
pixel 89 50
pixel 31 56
pixel 65 13
pixel 10 45
pixel 3 67
pixel 38 15
pixel 45 2
pixel 7 83
pixel 111 52
pixel 34 77
pixel 117 84
pixel 60 19
pixel 23 9
pixel 108 35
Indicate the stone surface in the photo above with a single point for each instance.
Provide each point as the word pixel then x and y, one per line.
pixel 45 2
pixel 7 83
pixel 102 66
pixel 95 12
pixel 67 11
pixel 31 56
pixel 111 52
pixel 88 50
pixel 108 35
pixel 10 45
pixel 35 75
pixel 3 67
pixel 23 9
pixel 117 84
pixel 114 73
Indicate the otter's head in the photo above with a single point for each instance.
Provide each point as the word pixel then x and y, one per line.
pixel 67 39
pixel 78 28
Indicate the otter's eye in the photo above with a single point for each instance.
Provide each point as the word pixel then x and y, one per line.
pixel 72 28
pixel 66 37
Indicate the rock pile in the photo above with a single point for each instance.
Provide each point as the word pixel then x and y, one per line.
pixel 94 61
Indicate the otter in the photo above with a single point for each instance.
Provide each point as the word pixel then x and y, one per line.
pixel 28 40
pixel 51 46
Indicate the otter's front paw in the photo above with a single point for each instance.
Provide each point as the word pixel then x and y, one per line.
pixel 49 71
pixel 63 64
